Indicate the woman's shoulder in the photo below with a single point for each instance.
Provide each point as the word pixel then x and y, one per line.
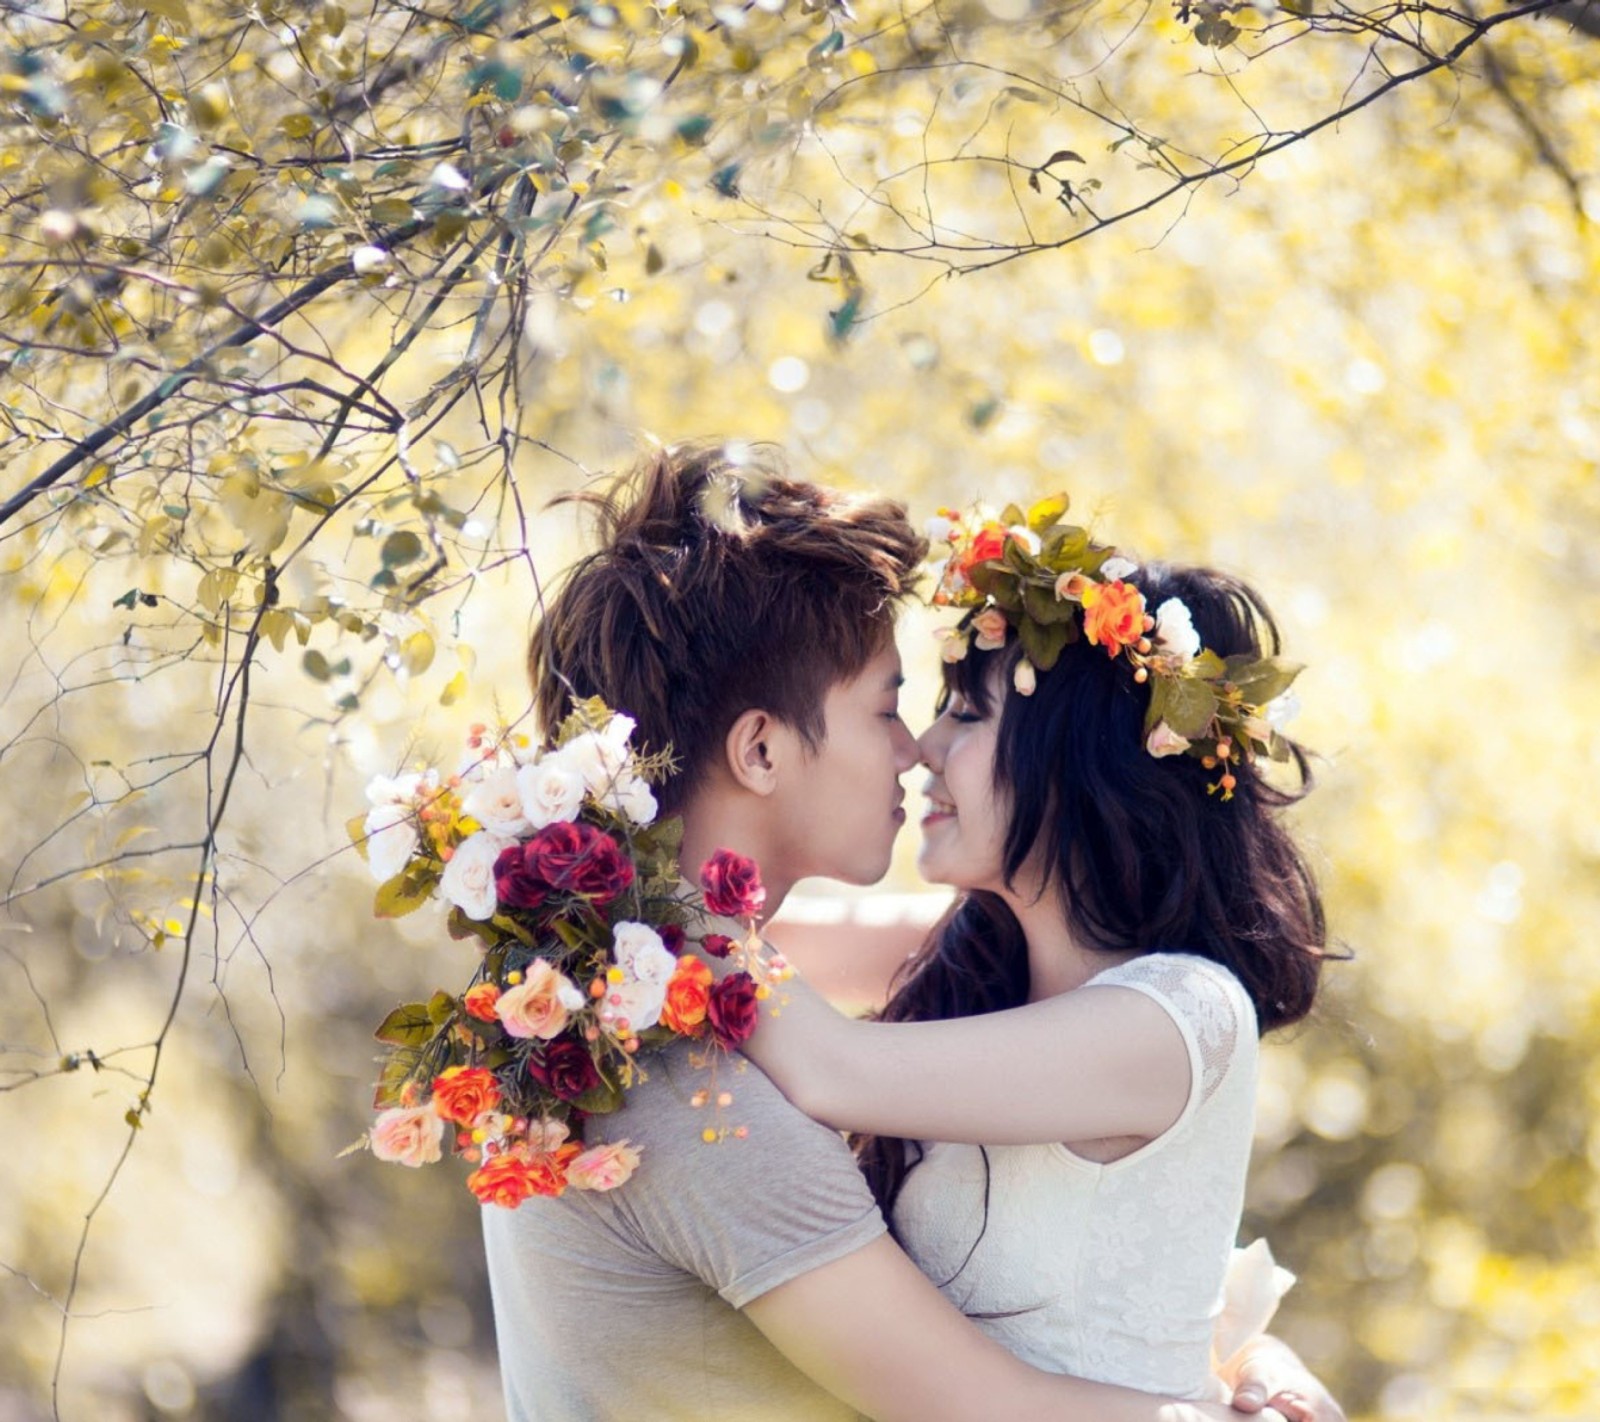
pixel 1185 980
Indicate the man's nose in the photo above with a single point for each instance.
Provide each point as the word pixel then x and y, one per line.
pixel 907 751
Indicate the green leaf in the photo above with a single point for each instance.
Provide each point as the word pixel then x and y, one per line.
pixel 1266 679
pixel 1042 605
pixel 442 1007
pixel 602 1099
pixel 1043 643
pixel 356 828
pixel 316 665
pixel 840 321
pixel 401 548
pixel 397 897
pixel 1185 704
pixel 407 1026
pixel 726 180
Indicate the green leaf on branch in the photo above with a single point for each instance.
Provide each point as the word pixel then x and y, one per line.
pixel 399 896
pixel 407 1026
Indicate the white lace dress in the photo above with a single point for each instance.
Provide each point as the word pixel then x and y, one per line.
pixel 1109 1272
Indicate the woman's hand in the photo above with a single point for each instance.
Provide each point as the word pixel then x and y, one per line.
pixel 1271 1375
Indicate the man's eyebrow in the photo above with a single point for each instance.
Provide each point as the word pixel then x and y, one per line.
pixel 895 682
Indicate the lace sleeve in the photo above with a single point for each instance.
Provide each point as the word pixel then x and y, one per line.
pixel 1208 1003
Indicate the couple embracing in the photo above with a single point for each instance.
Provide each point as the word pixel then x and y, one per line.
pixel 1052 1119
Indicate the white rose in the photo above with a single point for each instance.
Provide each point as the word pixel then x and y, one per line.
pixel 495 802
pixel 641 954
pixel 391 837
pixel 549 792
pixel 1163 740
pixel 938 529
pixel 468 879
pixel 598 758
pixel 632 798
pixel 1116 567
pixel 638 1004
pixel 399 789
pixel 1175 634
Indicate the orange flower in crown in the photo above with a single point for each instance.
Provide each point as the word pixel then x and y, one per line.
pixel 1113 615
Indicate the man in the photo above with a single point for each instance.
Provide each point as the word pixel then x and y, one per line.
pixel 747 620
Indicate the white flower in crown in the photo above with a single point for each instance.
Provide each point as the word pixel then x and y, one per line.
pixel 468 878
pixel 1027 538
pixel 1164 741
pixel 1175 635
pixel 939 529
pixel 1024 678
pixel 549 791
pixel 495 802
pixel 391 837
pixel 953 645
pixel 1282 709
pixel 1116 567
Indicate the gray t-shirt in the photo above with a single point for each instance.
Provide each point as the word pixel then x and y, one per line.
pixel 625 1304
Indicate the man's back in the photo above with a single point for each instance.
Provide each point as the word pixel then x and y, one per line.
pixel 627 1303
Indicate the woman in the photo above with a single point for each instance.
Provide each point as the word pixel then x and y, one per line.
pixel 1068 1160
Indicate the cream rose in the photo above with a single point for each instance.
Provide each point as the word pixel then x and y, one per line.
pixel 632 798
pixel 1254 1285
pixel 1025 678
pixel 468 879
pixel 1071 586
pixel 549 791
pixel 540 1004
pixel 1163 740
pixel 953 646
pixel 603 1167
pixel 1116 567
pixel 407 1135
pixel 391 837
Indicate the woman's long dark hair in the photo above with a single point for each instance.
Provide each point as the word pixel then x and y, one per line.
pixel 1144 856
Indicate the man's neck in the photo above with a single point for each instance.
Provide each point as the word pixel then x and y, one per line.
pixel 711 823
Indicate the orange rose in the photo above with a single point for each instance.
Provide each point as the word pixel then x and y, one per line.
pixel 688 994
pixel 986 547
pixel 1113 615
pixel 508 1178
pixel 479 1002
pixel 462 1094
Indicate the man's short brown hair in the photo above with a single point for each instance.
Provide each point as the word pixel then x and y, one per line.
pixel 721 585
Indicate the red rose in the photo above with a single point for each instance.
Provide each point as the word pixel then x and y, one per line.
pixel 732 1010
pixel 671 938
pixel 564 1068
pixel 732 885
pixel 718 945
pixel 562 858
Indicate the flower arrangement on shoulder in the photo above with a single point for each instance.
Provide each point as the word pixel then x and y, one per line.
pixel 557 868
pixel 1050 581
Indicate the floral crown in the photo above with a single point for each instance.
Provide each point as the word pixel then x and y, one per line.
pixel 1053 584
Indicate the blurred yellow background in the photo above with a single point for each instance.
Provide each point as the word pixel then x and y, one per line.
pixel 1366 376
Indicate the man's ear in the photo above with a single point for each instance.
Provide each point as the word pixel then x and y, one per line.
pixel 755 748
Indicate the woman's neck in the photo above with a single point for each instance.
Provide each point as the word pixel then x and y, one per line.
pixel 1058 960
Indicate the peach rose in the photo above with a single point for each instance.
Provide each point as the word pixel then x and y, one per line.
pixel 540 1004
pixel 1113 616
pixel 462 1094
pixel 603 1167
pixel 688 993
pixel 989 627
pixel 407 1135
